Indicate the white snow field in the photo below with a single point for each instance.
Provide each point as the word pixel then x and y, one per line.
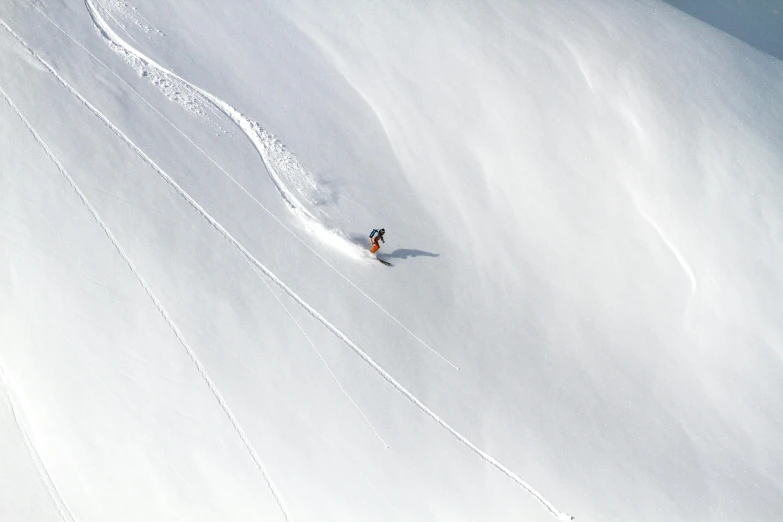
pixel 584 210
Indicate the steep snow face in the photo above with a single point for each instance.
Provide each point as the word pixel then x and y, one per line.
pixel 583 207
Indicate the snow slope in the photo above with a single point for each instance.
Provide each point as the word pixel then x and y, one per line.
pixel 757 23
pixel 583 205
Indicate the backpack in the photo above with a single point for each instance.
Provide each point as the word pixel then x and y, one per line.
pixel 374 231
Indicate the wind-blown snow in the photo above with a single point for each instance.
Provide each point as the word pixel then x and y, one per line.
pixel 583 203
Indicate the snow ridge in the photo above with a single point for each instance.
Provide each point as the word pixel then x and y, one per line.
pixel 212 387
pixel 686 267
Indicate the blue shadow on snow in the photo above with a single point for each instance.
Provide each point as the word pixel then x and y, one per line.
pixel 405 253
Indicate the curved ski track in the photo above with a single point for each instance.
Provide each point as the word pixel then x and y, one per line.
pixel 245 441
pixel 252 130
pixel 105 120
pixel 253 261
pixel 162 70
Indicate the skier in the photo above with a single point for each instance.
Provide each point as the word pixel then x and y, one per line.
pixel 375 236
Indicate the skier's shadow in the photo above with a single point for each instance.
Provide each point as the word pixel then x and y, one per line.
pixel 400 253
pixel 405 253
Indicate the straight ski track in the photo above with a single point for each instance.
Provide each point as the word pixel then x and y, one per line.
pixel 132 418
pixel 152 296
pixel 253 132
pixel 136 149
pixel 40 467
pixel 106 31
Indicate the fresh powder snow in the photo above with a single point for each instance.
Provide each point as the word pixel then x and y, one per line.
pixel 581 313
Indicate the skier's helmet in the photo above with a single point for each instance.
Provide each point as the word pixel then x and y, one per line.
pixel 382 231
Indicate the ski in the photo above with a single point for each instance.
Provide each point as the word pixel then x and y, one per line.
pixel 384 261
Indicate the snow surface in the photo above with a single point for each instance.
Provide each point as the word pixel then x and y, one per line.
pixel 759 23
pixel 584 211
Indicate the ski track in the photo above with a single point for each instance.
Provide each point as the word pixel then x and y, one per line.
pixel 265 144
pixel 187 98
pixel 326 365
pixel 284 401
pixel 317 223
pixel 253 261
pixel 130 415
pixel 334 448
pixel 40 467
pixel 133 146
pixel 156 302
pixel 122 27
pixel 249 128
pixel 399 387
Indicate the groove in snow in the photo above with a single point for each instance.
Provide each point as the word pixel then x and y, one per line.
pixel 146 159
pixel 40 467
pixel 276 158
pixel 322 230
pixel 156 302
pixel 386 376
